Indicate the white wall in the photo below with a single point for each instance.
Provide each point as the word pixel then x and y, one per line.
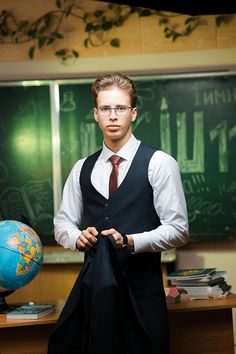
pixel 162 63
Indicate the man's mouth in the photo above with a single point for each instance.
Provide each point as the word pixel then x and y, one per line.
pixel 113 126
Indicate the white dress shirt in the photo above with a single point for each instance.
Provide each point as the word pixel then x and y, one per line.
pixel 168 197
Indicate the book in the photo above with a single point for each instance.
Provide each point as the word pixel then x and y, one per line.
pixel 204 292
pixel 213 279
pixel 30 311
pixel 191 273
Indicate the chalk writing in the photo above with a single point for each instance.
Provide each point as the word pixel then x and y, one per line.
pixel 88 139
pixel 33 200
pixel 215 96
pixel 198 206
pixel 68 103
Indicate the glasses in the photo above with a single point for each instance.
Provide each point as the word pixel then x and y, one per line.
pixel 120 110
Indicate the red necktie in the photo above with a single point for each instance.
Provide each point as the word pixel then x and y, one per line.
pixel 113 181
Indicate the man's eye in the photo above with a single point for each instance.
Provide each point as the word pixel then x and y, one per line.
pixel 105 109
pixel 121 109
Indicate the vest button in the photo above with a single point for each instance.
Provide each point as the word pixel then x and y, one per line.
pixel 107 218
pixel 106 205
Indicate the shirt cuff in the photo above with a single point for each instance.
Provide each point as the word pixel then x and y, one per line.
pixel 141 243
pixel 73 237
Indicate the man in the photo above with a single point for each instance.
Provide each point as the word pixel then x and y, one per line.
pixel 145 213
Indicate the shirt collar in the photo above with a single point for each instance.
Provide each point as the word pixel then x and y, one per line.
pixel 126 152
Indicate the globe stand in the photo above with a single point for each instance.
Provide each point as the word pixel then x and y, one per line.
pixel 4 307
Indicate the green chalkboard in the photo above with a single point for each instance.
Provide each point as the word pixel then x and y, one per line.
pixel 192 117
pixel 26 157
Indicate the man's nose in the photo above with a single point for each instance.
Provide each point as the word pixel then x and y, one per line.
pixel 113 114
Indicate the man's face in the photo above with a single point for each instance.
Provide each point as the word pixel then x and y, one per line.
pixel 115 125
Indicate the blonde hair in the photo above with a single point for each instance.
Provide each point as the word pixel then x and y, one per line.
pixel 118 80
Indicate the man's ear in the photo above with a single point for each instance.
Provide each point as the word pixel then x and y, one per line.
pixel 95 113
pixel 134 114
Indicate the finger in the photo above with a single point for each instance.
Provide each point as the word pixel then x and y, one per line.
pixel 109 232
pixel 92 230
pixel 80 246
pixel 89 237
pixel 117 236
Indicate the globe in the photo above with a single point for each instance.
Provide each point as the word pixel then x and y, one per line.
pixel 21 256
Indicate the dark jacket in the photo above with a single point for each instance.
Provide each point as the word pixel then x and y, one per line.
pixel 100 316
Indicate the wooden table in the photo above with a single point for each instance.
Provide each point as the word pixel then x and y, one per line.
pixel 196 327
pixel 28 336
pixel 202 326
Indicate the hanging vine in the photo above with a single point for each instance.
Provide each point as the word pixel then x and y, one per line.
pixel 47 30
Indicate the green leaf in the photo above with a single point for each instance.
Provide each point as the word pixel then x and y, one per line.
pixel 86 42
pixel 85 17
pixel 47 19
pixel 58 4
pixel 22 25
pixel 75 53
pixel 189 29
pixel 145 13
pixel 163 21
pixel 31 52
pixel 96 28
pixel 37 22
pixel 60 52
pixel 69 10
pixel 98 13
pixel 106 26
pixel 50 41
pixel 57 35
pixel 41 41
pixel 133 9
pixel 32 33
pixel 4 31
pixel 189 20
pixel 175 36
pixel 167 30
pixel 219 20
pixel 168 35
pixel 115 42
pixel 89 27
pixel 119 21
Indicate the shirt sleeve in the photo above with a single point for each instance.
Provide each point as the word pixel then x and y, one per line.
pixel 69 215
pixel 170 205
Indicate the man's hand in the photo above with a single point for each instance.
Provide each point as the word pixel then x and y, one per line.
pixel 87 239
pixel 118 238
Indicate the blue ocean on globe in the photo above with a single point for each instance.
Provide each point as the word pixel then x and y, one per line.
pixel 21 255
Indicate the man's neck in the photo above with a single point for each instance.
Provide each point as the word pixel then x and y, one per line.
pixel 116 145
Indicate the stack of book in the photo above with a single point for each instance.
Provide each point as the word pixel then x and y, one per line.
pixel 200 283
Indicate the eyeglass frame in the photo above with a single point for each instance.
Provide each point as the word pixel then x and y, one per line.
pixel 114 108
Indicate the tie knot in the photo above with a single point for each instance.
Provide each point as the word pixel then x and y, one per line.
pixel 115 160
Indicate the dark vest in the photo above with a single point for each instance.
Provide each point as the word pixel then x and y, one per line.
pixel 130 210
